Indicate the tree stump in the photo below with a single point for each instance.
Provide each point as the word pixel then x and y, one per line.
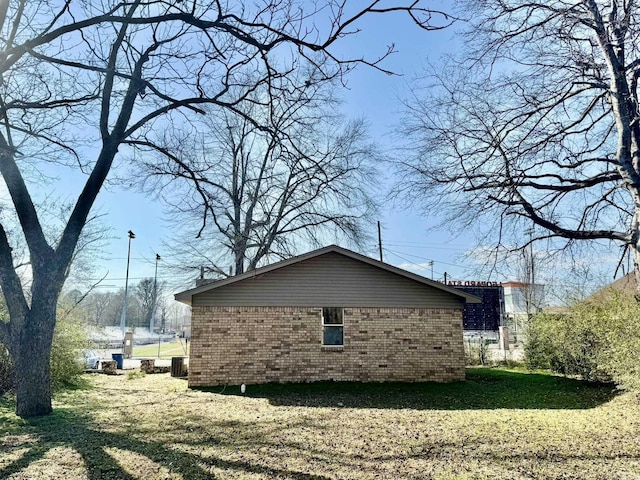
pixel 147 365
pixel 109 367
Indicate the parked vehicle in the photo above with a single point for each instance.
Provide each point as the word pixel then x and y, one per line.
pixel 91 359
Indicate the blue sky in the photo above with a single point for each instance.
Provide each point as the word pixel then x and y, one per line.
pixel 408 238
pixel 370 94
pixel 409 241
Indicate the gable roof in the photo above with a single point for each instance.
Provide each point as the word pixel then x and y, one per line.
pixel 186 296
pixel 625 285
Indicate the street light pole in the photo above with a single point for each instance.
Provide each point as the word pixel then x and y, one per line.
pixel 123 318
pixel 155 296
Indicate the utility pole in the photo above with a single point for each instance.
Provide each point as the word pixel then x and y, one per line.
pixel 380 241
pixel 431 265
pixel 533 268
pixel 155 296
pixel 531 273
pixel 123 318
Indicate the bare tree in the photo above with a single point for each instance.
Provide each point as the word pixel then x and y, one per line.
pixel 147 292
pixel 102 308
pixel 532 288
pixel 86 82
pixel 536 127
pixel 253 191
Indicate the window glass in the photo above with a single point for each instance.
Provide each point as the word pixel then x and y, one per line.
pixel 332 326
pixel 332 335
pixel 332 316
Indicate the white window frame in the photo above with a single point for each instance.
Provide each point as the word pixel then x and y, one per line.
pixel 332 325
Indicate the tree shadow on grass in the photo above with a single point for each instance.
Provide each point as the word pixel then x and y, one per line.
pixel 484 388
pixel 95 447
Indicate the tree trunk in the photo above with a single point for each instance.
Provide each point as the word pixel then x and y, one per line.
pixel 239 255
pixel 32 363
pixel 636 269
pixel 30 347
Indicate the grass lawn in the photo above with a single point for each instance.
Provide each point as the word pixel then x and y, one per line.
pixel 499 424
pixel 167 350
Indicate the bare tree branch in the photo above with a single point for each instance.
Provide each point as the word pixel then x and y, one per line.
pixel 537 125
pixel 263 190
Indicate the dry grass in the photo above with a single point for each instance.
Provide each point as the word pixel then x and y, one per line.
pixel 498 425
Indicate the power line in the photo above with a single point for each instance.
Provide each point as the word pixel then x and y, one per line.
pixel 427 259
pixel 435 246
pixel 124 258
pixel 421 267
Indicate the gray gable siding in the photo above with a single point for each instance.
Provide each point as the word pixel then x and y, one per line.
pixel 327 280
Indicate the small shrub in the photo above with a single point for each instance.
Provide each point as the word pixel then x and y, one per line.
pixel 7 379
pixel 507 361
pixel 476 353
pixel 136 374
pixel 69 337
pixel 567 344
pixel 540 345
pixel 622 339
pixel 596 340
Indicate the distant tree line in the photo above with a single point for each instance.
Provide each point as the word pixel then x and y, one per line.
pixel 105 308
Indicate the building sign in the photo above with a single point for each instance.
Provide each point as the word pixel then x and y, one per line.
pixel 472 283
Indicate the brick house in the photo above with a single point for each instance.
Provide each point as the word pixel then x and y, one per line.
pixel 331 314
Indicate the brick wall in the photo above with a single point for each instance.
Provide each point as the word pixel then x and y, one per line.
pixel 235 345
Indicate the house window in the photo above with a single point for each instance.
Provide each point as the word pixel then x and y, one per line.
pixel 332 327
